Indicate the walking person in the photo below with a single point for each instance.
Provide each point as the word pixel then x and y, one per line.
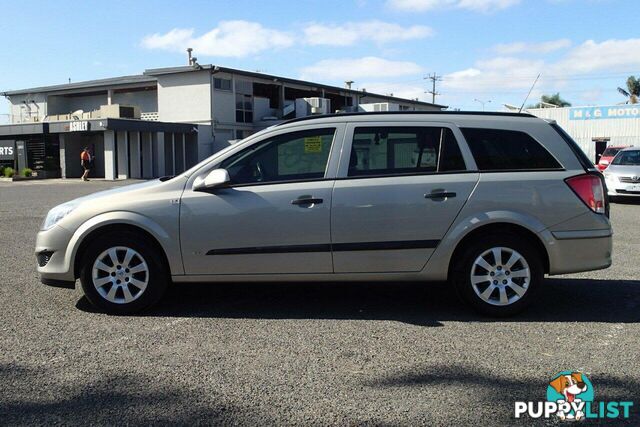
pixel 85 161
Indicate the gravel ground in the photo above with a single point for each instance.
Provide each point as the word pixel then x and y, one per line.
pixel 312 354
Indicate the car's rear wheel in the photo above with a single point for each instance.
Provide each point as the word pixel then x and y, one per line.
pixel 121 274
pixel 498 275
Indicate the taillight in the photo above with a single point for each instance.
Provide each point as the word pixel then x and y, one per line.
pixel 589 189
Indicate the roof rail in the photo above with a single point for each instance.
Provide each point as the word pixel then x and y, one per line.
pixel 444 113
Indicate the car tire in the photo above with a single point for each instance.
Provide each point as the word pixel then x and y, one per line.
pixel 502 287
pixel 121 273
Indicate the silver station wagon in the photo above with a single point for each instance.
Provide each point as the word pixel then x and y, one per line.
pixel 490 202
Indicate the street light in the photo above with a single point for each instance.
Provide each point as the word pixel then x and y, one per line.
pixel 482 102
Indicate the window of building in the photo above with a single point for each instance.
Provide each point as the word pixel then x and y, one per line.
pixel 244 108
pixel 244 101
pixel 290 157
pixel 497 149
pixel 244 86
pixel 402 150
pixel 222 84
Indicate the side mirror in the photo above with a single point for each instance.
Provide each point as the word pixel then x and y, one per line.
pixel 214 179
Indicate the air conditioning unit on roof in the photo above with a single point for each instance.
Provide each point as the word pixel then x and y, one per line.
pixel 309 106
pixel 380 107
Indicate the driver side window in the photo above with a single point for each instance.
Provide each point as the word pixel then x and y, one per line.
pixel 293 156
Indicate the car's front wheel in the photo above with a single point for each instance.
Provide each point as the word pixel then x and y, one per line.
pixel 498 275
pixel 121 273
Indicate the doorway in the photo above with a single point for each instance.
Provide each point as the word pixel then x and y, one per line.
pixel 601 145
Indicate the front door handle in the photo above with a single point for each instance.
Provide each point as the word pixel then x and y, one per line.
pixel 306 200
pixel 440 194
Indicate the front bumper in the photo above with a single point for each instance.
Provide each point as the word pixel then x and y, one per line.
pixel 617 188
pixel 53 258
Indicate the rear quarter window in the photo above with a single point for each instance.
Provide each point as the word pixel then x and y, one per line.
pixel 498 149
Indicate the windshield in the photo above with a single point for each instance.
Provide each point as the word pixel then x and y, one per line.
pixel 627 158
pixel 610 152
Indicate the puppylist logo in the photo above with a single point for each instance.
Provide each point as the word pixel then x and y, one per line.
pixel 570 397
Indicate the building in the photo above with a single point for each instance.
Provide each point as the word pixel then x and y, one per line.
pixel 595 128
pixel 163 121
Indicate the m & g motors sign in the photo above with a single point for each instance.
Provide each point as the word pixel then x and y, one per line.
pixel 610 112
pixel 7 150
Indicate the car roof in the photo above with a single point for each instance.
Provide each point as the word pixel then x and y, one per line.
pixel 409 116
pixel 632 148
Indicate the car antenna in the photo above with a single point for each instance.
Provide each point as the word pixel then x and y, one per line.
pixel 530 90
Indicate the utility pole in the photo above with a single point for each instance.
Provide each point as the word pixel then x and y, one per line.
pixel 434 79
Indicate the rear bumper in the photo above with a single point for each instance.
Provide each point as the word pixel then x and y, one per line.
pixel 580 250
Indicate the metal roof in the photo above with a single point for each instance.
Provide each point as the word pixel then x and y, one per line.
pixel 217 68
pixel 150 76
pixel 113 81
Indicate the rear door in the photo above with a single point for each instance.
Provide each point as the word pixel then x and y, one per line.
pixel 399 188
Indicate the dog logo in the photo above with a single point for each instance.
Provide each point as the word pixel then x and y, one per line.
pixel 570 397
pixel 572 388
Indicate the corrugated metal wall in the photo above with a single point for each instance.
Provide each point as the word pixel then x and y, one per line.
pixel 621 131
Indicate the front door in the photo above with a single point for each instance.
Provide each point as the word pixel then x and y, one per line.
pixel 273 218
pixel 398 191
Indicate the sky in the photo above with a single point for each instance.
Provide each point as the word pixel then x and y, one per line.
pixel 486 52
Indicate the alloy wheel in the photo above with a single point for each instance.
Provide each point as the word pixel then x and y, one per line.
pixel 120 275
pixel 500 276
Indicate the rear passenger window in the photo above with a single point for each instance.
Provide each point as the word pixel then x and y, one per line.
pixel 496 149
pixel 400 150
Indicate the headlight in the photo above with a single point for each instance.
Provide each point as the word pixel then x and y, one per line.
pixel 56 214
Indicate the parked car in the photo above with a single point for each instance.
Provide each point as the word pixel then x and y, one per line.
pixel 608 155
pixel 623 174
pixel 489 202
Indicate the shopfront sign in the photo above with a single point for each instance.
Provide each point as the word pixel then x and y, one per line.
pixel 7 150
pixel 79 126
pixel 609 112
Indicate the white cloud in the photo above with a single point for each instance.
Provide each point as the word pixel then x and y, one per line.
pixel 524 47
pixel 507 72
pixel 355 68
pixel 474 5
pixel 173 39
pixel 400 90
pixel 609 55
pixel 230 39
pixel 353 32
pixel 497 74
pixel 580 74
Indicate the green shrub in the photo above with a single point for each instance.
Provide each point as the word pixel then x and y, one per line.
pixel 1 170
pixel 8 172
pixel 26 172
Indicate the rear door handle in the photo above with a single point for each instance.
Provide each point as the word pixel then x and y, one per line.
pixel 440 194
pixel 306 200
